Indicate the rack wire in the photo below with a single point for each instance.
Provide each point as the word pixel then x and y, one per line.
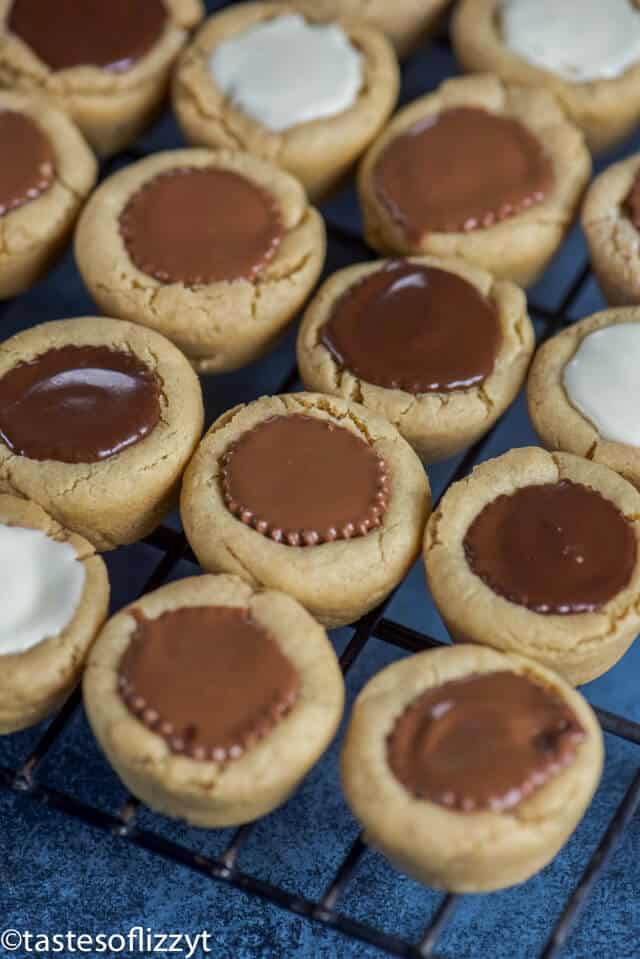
pixel 172 549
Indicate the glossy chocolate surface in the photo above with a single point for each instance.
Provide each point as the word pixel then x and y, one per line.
pixel 461 170
pixel 302 481
pixel 198 225
pixel 208 679
pixel 555 548
pixel 113 34
pixel 485 742
pixel 78 404
pixel 27 164
pixel 414 328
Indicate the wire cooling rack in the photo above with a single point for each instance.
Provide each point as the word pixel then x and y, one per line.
pixel 550 313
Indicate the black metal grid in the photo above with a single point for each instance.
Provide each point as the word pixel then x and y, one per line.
pixel 173 548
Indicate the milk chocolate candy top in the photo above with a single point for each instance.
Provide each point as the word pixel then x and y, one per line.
pixel 27 167
pixel 197 225
pixel 208 679
pixel 78 404
pixel 461 170
pixel 414 328
pixel 112 34
pixel 302 481
pixel 484 742
pixel 556 548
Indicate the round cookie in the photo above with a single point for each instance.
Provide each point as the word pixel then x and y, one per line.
pixel 405 22
pixel 291 88
pixel 584 391
pixel 537 553
pixel 309 494
pixel 242 255
pixel 98 419
pixel 47 171
pixel 585 53
pixel 55 599
pixel 255 697
pixel 108 70
pixel 611 224
pixel 436 346
pixel 470 768
pixel 504 202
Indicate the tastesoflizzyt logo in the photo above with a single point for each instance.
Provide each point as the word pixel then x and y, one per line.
pixel 143 941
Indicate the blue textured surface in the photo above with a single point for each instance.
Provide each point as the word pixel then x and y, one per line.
pixel 57 875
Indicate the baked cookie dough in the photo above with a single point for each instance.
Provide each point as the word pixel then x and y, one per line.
pixel 405 22
pixel 254 698
pixel 587 52
pixel 46 172
pixel 242 255
pixel 436 346
pixel 611 224
pixel 107 66
pixel 55 597
pixel 470 768
pixel 477 170
pixel 309 494
pixel 537 553
pixel 98 418
pixel 584 391
pixel 278 81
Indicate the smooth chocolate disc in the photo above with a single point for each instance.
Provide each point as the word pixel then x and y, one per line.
pixel 27 163
pixel 485 742
pixel 78 404
pixel 201 225
pixel 414 328
pixel 555 548
pixel 633 203
pixel 303 481
pixel 208 679
pixel 461 170
pixel 113 34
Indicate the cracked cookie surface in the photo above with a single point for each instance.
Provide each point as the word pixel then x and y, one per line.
pixel 319 152
pixel 339 580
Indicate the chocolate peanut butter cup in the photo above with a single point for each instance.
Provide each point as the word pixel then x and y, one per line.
pixel 98 419
pixel 28 161
pixel 538 553
pixel 468 767
pixel 311 495
pixel 556 548
pixel 462 170
pixel 303 481
pixel 222 226
pixel 415 328
pixel 478 170
pixel 78 404
pixel 632 203
pixel 484 742
pixel 209 679
pixel 72 33
pixel 212 698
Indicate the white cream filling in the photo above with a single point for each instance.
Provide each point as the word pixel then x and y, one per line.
pixel 602 381
pixel 42 583
pixel 580 40
pixel 286 71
